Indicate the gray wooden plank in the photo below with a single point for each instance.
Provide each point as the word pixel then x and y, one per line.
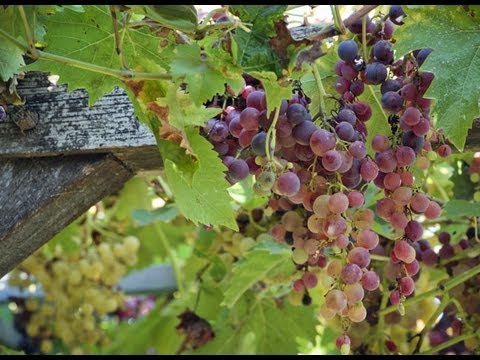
pixel 156 279
pixel 68 126
pixel 40 196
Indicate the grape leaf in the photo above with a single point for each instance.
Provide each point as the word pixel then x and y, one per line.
pixel 180 110
pixel 177 17
pixel 325 66
pixel 454 36
pixel 89 37
pixel 203 72
pixel 134 195
pixel 262 326
pixel 378 123
pixel 152 250
pixel 254 53
pixel 11 57
pixel 263 17
pixel 146 217
pixel 242 192
pixel 256 264
pixel 199 185
pixel 460 208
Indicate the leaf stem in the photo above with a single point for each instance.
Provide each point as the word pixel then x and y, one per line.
pixel 271 135
pixel 379 257
pixel 445 301
pixel 448 343
pixel 171 254
pixel 337 19
pixel 31 39
pixel 13 41
pixel 364 38
pixel 118 42
pixel 321 90
pixel 119 74
pixel 381 323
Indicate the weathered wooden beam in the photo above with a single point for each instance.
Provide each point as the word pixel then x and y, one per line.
pixel 70 160
pixel 40 196
pixel 66 125
pixel 473 138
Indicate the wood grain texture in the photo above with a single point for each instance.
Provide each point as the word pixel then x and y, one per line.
pixel 68 126
pixel 40 196
pixel 473 138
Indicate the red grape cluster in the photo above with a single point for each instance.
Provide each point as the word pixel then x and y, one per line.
pixel 315 172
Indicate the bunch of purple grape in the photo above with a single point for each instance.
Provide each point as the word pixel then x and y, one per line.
pixel 315 172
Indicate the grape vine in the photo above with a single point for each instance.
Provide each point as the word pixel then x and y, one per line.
pixel 303 174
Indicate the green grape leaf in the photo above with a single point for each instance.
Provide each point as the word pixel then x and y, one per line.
pixel 180 111
pixel 89 37
pixel 463 188
pixel 256 264
pixel 274 91
pixel 242 192
pixel 378 123
pixel 262 17
pixel 325 66
pixel 199 184
pixel 253 50
pixel 454 36
pixel 262 326
pixel 144 217
pixel 177 17
pixel 152 250
pixel 134 195
pixel 204 74
pixel 460 208
pixel 11 57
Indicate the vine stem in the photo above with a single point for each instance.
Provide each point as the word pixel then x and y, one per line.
pixel 448 343
pixel 321 90
pixel 421 336
pixel 119 74
pixel 381 322
pixel 331 30
pixel 379 257
pixel 464 254
pixel 364 38
pixel 448 285
pixel 271 133
pixel 30 37
pixel 176 266
pixel 118 41
pixel 337 19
